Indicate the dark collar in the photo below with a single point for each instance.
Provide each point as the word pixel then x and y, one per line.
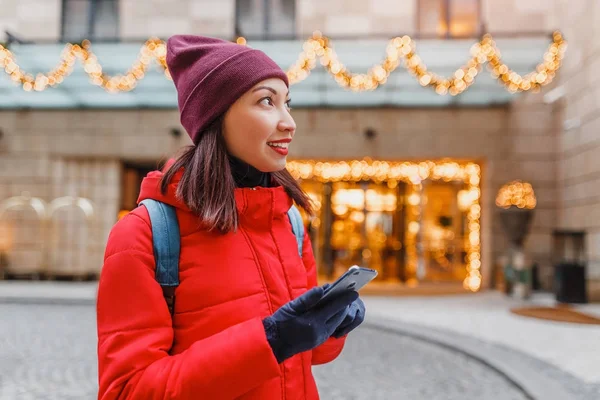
pixel 246 175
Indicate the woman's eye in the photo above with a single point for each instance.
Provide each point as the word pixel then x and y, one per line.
pixel 267 101
pixel 288 104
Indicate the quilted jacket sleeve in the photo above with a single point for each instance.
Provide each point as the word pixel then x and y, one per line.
pixel 332 348
pixel 135 334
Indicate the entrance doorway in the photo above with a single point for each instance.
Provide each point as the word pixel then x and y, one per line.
pixel 133 174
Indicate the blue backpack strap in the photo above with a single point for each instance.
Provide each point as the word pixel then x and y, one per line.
pixel 297 226
pixel 166 243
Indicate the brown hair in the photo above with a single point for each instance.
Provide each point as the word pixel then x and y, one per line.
pixel 207 185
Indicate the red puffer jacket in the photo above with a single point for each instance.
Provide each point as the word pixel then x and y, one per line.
pixel 215 346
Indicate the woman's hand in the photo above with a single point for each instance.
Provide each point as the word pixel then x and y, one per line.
pixel 299 326
pixel 355 317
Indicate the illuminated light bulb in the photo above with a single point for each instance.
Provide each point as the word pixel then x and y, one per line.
pixel 414 227
pixel 393 53
pixel 541 77
pixel 425 80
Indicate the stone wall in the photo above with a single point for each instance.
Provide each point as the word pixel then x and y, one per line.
pixel 579 166
pixel 58 153
pixel 31 19
pixel 41 19
pixel 79 153
pixel 516 16
pixel 140 20
pixel 356 17
pixel 533 139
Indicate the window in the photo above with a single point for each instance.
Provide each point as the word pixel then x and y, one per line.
pixel 90 19
pixel 449 18
pixel 266 19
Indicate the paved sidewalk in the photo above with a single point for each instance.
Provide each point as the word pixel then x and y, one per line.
pixel 48 352
pixel 479 325
pixel 486 316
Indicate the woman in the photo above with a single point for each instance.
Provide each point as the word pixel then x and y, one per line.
pixel 245 323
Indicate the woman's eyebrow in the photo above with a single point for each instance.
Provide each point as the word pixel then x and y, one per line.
pixel 265 87
pixel 269 88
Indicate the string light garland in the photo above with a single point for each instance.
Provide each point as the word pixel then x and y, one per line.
pixel 516 193
pixel 405 47
pixel 316 47
pixel 153 49
pixel 414 174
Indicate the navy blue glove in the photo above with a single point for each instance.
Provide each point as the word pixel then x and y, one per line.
pixel 355 317
pixel 299 326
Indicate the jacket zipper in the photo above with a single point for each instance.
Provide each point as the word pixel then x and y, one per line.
pixel 271 310
pixel 266 289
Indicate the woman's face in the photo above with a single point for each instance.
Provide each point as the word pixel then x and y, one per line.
pixel 258 127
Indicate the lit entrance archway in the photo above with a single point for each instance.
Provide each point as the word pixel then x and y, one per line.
pixel 412 221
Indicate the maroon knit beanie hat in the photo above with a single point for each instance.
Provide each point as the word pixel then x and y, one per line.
pixel 211 74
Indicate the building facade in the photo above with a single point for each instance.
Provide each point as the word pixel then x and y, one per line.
pixel 404 178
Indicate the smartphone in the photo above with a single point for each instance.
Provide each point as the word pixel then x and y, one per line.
pixel 354 279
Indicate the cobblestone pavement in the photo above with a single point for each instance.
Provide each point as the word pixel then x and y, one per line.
pixel 49 352
pixel 487 316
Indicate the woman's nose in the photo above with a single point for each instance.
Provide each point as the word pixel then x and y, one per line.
pixel 287 124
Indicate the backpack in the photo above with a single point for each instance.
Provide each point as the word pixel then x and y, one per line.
pixel 166 244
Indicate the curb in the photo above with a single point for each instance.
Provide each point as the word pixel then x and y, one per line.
pixel 63 293
pixel 48 300
pixel 510 365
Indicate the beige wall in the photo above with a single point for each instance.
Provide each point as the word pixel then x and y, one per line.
pixel 41 19
pixel 139 20
pixel 78 153
pixel 579 166
pixel 506 16
pixel 40 145
pixel 356 17
pixel 533 137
